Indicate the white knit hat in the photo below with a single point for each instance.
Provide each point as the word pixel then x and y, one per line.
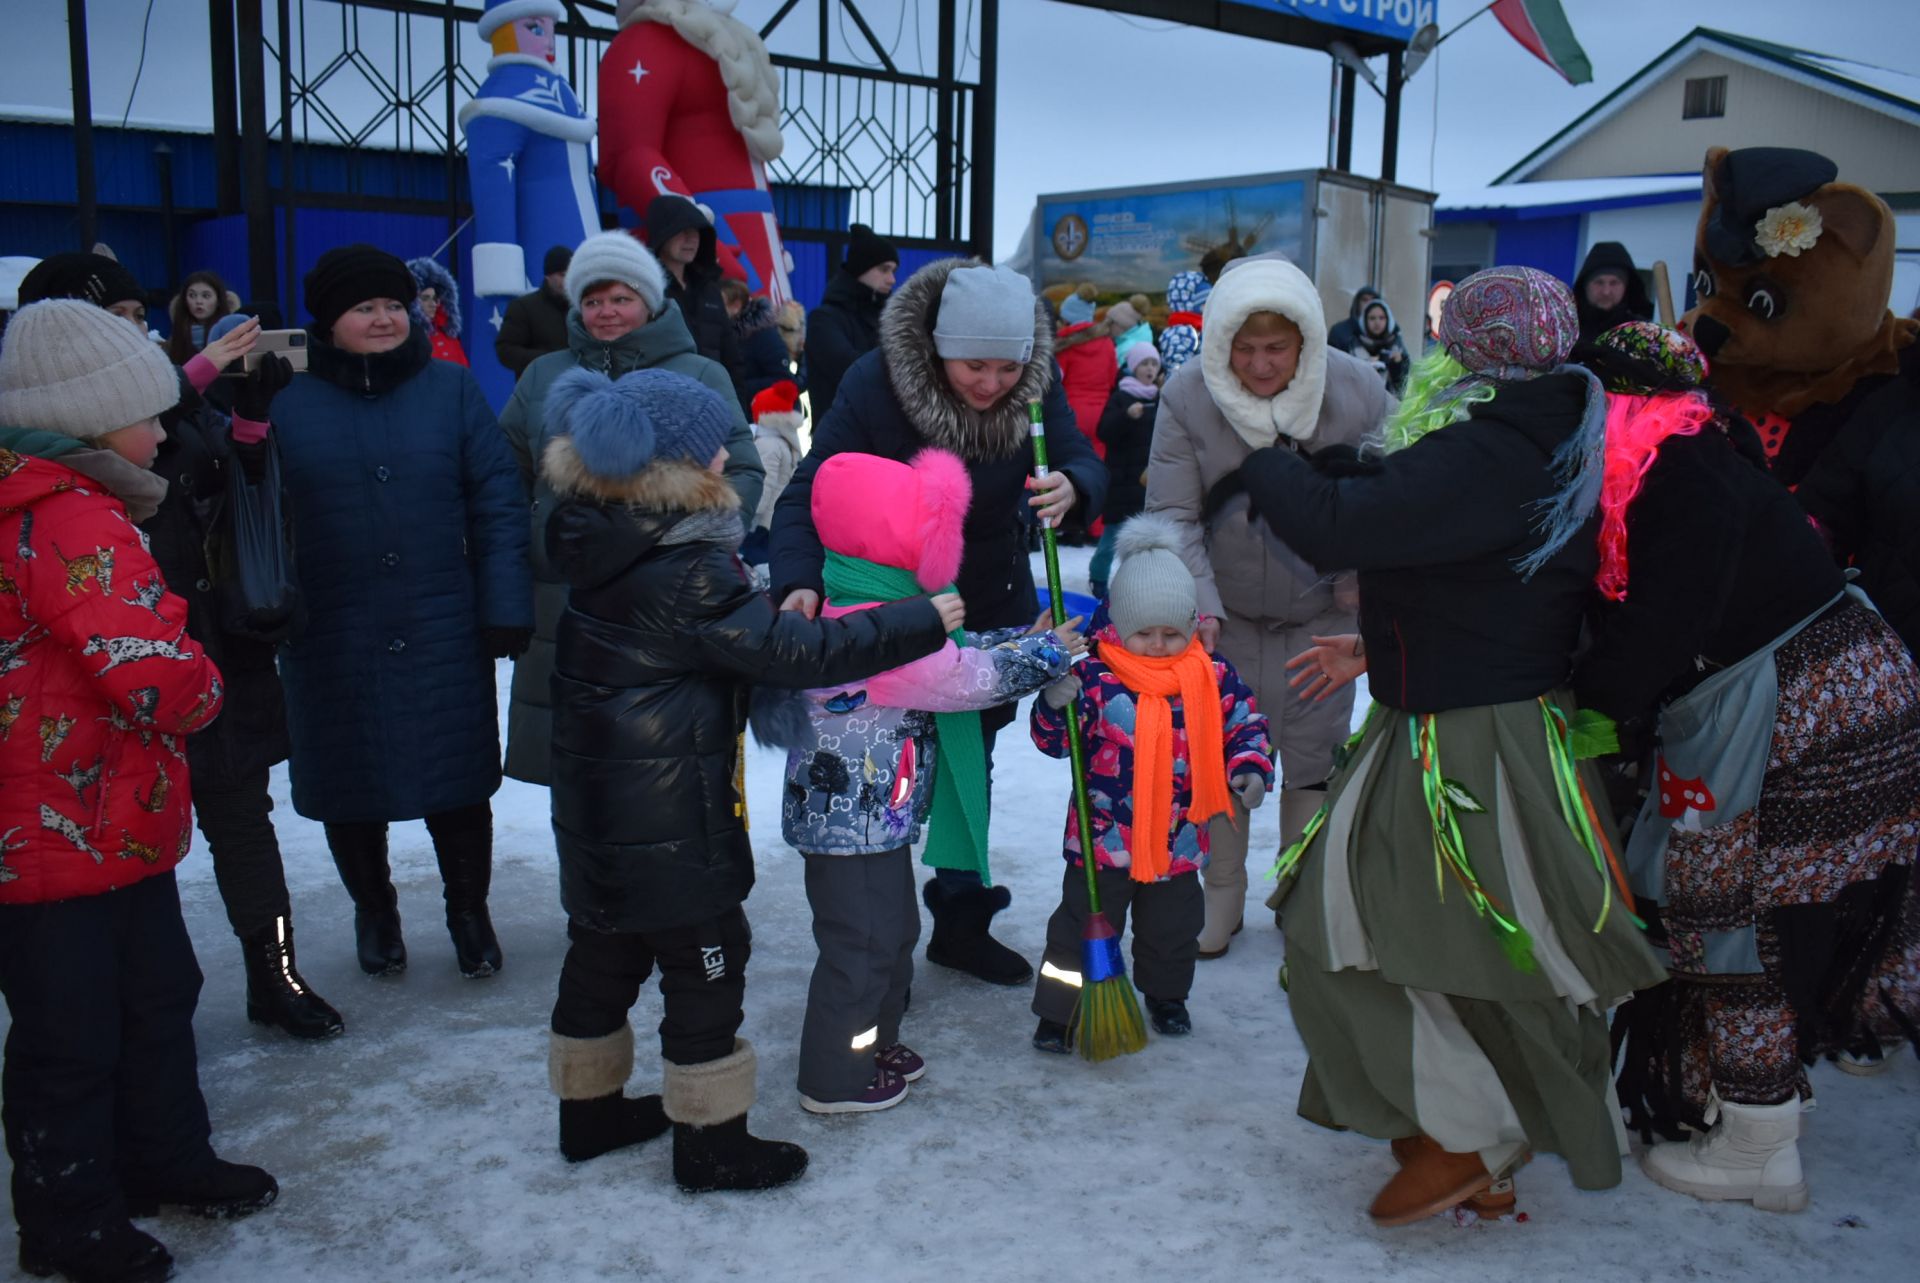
pixel 78 370
pixel 616 256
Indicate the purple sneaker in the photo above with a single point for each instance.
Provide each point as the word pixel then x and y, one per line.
pixel 885 1091
pixel 902 1060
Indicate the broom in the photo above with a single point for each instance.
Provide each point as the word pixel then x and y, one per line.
pixel 1106 1021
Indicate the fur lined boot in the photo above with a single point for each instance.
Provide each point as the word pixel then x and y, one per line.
pixel 712 1149
pixel 588 1075
pixel 1751 1155
pixel 962 917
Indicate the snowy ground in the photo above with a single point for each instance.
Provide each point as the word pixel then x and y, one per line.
pixel 422 1145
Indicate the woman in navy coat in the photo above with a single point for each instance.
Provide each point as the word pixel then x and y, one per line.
pixel 411 549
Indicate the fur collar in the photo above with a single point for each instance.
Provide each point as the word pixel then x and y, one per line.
pixel 913 368
pixel 753 87
pixel 672 485
pixel 1267 284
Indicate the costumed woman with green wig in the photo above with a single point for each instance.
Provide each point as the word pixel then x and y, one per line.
pixel 1458 928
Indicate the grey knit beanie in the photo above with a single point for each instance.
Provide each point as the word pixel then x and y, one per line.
pixel 80 371
pixel 986 314
pixel 616 256
pixel 1151 585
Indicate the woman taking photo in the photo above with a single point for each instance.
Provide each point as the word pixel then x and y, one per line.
pixel 413 567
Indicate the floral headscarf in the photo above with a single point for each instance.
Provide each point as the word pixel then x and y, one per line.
pixel 1654 349
pixel 1510 323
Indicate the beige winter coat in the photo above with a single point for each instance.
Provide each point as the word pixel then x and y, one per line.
pixel 777 437
pixel 1270 600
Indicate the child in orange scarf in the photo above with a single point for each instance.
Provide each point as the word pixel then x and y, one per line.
pixel 1172 737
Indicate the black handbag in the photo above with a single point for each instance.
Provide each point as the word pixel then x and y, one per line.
pixel 256 593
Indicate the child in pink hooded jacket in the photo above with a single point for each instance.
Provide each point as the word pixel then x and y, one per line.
pixel 860 788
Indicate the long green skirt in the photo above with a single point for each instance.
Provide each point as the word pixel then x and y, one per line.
pixel 1420 1011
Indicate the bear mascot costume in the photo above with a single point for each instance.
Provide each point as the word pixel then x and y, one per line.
pixel 1792 270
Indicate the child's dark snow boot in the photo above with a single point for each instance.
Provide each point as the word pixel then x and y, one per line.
pixel 463 845
pixel 1053 1037
pixel 588 1074
pixel 712 1149
pixel 1169 1017
pixel 277 994
pixel 962 914
pixel 119 1254
pixel 214 1188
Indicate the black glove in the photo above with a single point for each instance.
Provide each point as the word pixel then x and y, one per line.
pixel 254 395
pixel 505 643
pixel 1221 494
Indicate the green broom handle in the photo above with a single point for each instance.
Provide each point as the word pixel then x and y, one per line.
pixel 1076 745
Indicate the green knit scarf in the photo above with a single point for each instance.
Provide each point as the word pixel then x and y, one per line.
pixel 957 826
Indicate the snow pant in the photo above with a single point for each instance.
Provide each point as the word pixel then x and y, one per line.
pixel 462 844
pixel 1166 936
pixel 102 1082
pixel 237 822
pixel 1304 733
pixel 1102 564
pixel 866 920
pixel 703 980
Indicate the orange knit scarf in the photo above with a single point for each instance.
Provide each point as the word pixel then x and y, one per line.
pixel 1189 675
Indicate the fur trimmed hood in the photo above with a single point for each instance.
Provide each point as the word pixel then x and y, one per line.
pixel 1266 284
pixel 430 272
pixel 669 486
pixel 913 370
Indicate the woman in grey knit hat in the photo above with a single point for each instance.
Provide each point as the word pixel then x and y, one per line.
pixel 964 348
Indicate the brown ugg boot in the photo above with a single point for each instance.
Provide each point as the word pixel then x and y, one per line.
pixel 1432 1181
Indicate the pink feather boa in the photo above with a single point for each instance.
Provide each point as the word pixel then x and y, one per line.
pixel 1636 427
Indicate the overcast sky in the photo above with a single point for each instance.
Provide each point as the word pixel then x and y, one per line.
pixel 1091 99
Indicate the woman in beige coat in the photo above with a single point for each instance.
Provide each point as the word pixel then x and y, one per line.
pixel 1265 376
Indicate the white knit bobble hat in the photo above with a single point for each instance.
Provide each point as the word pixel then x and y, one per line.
pixel 80 371
pixel 616 256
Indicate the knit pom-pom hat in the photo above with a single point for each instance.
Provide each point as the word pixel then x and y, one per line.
pixel 619 427
pixel 1151 585
pixel 78 370
pixel 776 398
pixel 616 256
pixel 910 516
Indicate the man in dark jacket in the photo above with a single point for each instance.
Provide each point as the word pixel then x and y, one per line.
pixel 1608 291
pixel 536 323
pixel 682 238
pixel 846 325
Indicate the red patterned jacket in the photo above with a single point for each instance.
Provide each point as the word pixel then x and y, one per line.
pixel 98 684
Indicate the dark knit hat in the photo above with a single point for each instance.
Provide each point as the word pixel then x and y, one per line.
pixel 1750 183
pixel 91 278
pixel 350 275
pixel 556 261
pixel 865 250
pixel 619 427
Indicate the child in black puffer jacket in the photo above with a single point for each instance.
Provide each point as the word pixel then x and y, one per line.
pixel 662 634
pixel 1126 429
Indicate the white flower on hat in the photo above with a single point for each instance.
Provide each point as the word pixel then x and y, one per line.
pixel 1788 229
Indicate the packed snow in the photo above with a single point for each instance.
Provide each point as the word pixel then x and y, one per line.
pixel 423 1143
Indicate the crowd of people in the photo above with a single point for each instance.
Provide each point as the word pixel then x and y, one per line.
pixel 1507 857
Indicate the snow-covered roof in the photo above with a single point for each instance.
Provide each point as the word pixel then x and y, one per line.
pixel 1882 89
pixel 1583 193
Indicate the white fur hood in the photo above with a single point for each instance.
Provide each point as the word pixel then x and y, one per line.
pixel 1265 284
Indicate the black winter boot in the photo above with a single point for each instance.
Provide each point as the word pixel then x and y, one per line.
pixel 961 918
pixel 712 1149
pixel 588 1074
pixel 276 992
pixel 360 853
pixel 121 1254
pixel 463 844
pixel 217 1189
pixel 1169 1017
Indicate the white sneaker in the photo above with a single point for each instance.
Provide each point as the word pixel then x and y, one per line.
pixel 1751 1155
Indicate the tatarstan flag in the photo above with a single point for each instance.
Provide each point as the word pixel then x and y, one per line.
pixel 1542 26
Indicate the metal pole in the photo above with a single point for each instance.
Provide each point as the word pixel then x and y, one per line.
pixel 262 279
pixel 453 151
pixel 226 107
pixel 1333 108
pixel 946 191
pixel 1390 132
pixel 985 106
pixel 86 197
pixel 163 162
pixel 1343 161
pixel 288 186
